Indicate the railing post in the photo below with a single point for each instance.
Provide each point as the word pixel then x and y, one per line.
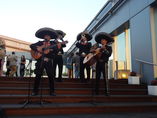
pixel 140 69
pixel 116 69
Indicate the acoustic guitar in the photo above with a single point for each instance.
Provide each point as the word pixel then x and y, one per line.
pixel 45 50
pixel 94 56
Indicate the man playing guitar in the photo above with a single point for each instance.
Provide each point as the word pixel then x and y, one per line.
pixel 44 51
pixel 105 52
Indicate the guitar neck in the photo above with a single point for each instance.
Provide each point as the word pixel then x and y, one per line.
pixel 52 46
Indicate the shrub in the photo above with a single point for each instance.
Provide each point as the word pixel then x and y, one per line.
pixel 65 74
pixel 133 73
pixel 154 82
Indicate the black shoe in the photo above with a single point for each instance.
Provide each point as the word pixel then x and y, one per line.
pixel 107 94
pixel 82 81
pixel 60 80
pixel 34 93
pixel 52 94
pixel 96 93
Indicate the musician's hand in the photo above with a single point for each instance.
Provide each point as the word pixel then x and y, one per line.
pixel 92 50
pixel 104 47
pixel 59 45
pixel 83 54
pixel 39 49
pixel 97 51
pixel 84 43
pixel 64 42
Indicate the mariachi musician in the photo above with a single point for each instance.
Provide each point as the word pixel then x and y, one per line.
pixel 43 52
pixel 58 59
pixel 84 48
pixel 105 52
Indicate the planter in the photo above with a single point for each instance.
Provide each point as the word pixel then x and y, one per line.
pixel 133 80
pixel 152 90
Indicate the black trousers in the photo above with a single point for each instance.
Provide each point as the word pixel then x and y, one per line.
pixel 101 67
pixel 58 60
pixel 22 72
pixel 8 71
pixel 82 67
pixel 40 66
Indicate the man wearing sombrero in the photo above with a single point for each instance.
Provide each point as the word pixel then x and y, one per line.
pixel 44 51
pixel 105 52
pixel 58 60
pixel 84 49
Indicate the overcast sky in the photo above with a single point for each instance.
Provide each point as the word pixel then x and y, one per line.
pixel 20 19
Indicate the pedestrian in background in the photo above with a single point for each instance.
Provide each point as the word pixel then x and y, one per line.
pixel 76 61
pixel 13 64
pixel 22 66
pixel 69 65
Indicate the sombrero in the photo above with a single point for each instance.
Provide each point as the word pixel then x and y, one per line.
pixel 105 36
pixel 60 32
pixel 85 34
pixel 46 31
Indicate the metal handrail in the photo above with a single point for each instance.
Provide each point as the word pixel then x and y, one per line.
pixel 141 62
pixel 146 62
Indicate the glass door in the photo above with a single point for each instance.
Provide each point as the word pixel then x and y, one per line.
pixel 153 14
pixel 121 52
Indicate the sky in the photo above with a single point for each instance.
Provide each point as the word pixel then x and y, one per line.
pixel 20 19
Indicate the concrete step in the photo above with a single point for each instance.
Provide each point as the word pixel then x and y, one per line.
pixel 69 85
pixel 73 97
pixel 24 79
pixel 21 99
pixel 78 108
pixel 79 91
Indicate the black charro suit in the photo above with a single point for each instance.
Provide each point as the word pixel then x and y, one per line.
pixel 84 49
pixel 44 62
pixel 58 60
pixel 100 68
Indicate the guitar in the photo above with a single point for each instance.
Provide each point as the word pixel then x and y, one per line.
pixel 45 50
pixel 90 59
pixel 94 56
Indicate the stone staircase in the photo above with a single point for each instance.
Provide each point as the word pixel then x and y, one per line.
pixel 73 97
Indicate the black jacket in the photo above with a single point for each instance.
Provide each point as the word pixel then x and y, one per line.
pixel 84 48
pixel 61 49
pixel 106 54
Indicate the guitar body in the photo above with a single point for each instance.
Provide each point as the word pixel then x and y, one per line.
pixel 92 58
pixel 35 54
pixel 89 59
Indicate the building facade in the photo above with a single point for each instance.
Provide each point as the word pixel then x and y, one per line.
pixel 20 48
pixel 133 25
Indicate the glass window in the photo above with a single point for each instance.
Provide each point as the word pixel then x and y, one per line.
pixel 155 22
pixel 121 49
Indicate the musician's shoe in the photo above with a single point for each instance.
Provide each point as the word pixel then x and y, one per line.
pixel 59 80
pixel 34 93
pixel 83 81
pixel 52 94
pixel 96 93
pixel 107 94
pixel 88 80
